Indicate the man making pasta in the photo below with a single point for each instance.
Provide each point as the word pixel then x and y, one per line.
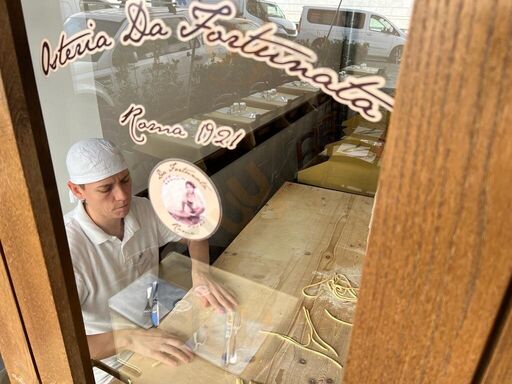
pixel 114 238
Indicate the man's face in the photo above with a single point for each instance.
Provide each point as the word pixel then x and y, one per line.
pixel 109 198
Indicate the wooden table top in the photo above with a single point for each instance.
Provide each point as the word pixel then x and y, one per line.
pixel 303 235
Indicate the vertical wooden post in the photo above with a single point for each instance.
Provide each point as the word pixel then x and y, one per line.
pixel 13 342
pixel 438 261
pixel 31 226
pixel 496 367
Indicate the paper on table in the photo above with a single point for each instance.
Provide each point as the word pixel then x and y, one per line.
pixel 356 151
pixel 372 132
pixel 131 301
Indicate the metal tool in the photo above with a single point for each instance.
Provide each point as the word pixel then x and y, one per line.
pixel 233 324
pixel 155 311
pixel 237 323
pixel 226 357
pixel 147 310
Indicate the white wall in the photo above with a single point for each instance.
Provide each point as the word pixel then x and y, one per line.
pixel 398 11
pixel 67 117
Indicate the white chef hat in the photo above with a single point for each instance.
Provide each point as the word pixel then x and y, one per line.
pixel 93 160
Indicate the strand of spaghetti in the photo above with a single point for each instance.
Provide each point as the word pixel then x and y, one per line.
pixel 341 293
pixel 299 345
pixel 336 319
pixel 130 365
pixel 314 333
pixel 349 286
pixel 339 285
pixel 311 286
pixel 311 333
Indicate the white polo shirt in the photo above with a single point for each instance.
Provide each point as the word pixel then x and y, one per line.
pixel 104 265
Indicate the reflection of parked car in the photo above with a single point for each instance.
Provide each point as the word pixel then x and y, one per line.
pixel 237 23
pixel 70 7
pixel 161 65
pixel 384 39
pixel 263 11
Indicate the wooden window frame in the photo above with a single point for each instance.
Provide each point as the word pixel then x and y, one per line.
pixel 437 268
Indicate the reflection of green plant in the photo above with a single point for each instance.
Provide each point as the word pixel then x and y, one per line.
pixel 125 89
pixel 337 54
pixel 233 75
pixel 161 89
pixel 156 86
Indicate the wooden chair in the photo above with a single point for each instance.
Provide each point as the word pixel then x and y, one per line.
pixel 224 100
pixel 326 130
pixel 258 87
pixel 302 154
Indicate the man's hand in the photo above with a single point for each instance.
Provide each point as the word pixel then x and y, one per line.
pixel 159 345
pixel 212 293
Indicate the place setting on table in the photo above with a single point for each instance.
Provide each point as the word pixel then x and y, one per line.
pixel 297 87
pixel 362 70
pixel 237 113
pixel 226 344
pixel 270 99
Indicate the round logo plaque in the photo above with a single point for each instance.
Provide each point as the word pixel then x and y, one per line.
pixel 185 199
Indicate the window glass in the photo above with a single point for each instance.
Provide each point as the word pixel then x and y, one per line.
pixel 262 157
pixel 173 43
pixel 380 24
pixel 4 379
pixel 341 18
pixel 78 23
pixel 253 8
pixel 351 20
pixel 273 10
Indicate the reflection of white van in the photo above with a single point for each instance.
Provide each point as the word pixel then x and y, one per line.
pixel 384 39
pixel 263 11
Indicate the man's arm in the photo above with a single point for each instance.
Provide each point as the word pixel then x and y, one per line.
pixel 102 345
pixel 152 343
pixel 211 293
pixel 199 254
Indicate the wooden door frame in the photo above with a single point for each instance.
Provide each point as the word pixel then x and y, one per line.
pixel 438 260
pixel 416 278
pixel 31 226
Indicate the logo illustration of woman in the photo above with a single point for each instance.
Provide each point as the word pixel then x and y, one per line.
pixel 192 206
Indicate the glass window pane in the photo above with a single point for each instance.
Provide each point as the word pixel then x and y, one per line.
pixel 4 379
pixel 285 155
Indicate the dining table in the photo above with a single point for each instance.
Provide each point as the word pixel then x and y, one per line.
pixel 289 326
pixel 249 117
pixel 353 165
pixel 362 70
pixel 163 146
pixel 298 87
pixel 272 100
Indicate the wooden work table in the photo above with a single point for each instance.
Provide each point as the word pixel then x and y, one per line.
pixel 303 235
